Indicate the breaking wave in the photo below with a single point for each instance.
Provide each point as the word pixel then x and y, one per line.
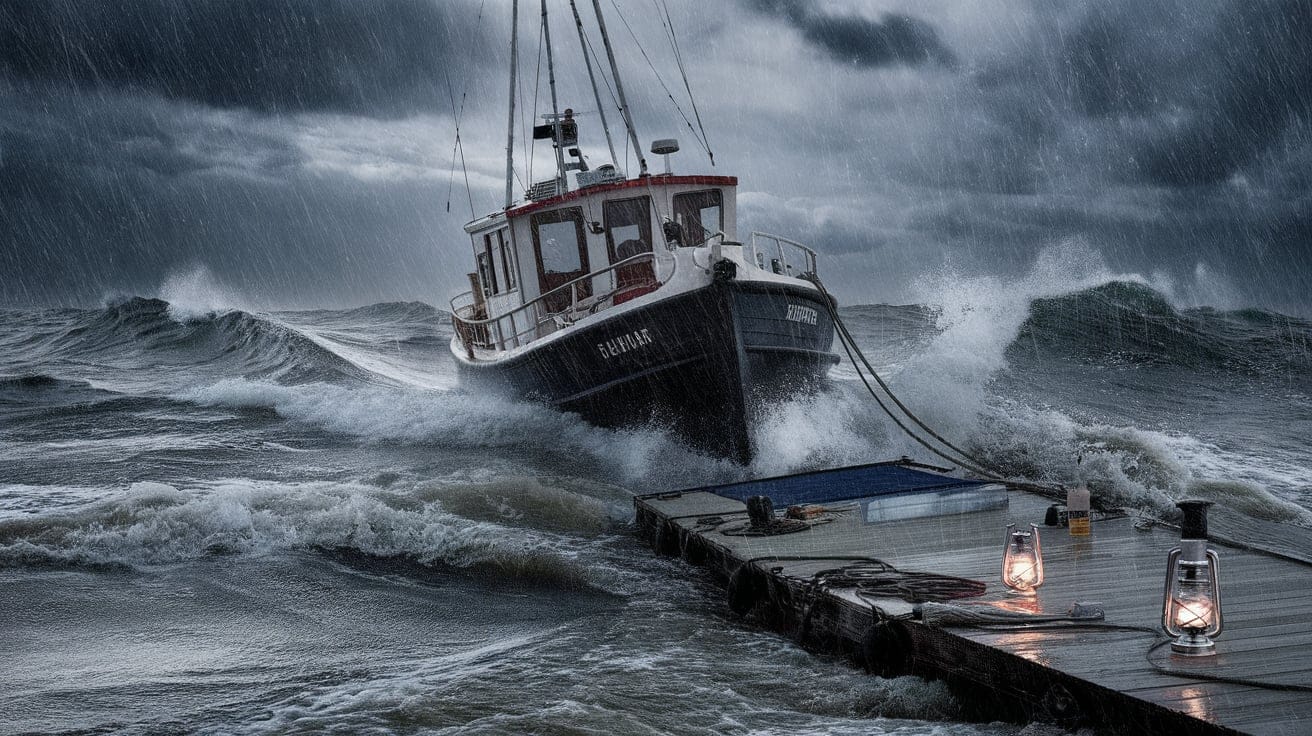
pixel 1075 373
pixel 1126 323
pixel 458 421
pixel 159 524
pixel 139 333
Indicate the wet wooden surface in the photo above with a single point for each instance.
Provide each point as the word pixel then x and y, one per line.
pixel 1267 602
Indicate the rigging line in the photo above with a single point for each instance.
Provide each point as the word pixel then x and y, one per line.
pixel 457 146
pixel 458 115
pixel 609 89
pixel 657 74
pixel 683 72
pixel 468 191
pixel 596 93
pixel 660 79
pixel 889 392
pixel 478 25
pixel 625 111
pixel 451 178
pixel 590 51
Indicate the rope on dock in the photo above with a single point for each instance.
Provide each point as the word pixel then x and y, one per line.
pixel 878 579
pixel 868 577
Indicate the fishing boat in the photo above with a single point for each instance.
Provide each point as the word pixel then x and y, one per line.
pixel 634 300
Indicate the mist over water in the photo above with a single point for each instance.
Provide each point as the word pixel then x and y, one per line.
pixel 219 519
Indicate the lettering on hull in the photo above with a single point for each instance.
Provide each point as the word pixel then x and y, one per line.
pixel 624 343
pixel 804 315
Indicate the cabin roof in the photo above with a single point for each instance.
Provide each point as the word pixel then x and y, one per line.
pixel 645 181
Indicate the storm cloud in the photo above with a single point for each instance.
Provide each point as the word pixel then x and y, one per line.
pixel 893 39
pixel 302 151
pixel 287 56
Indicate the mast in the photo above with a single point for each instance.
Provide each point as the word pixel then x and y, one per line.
pixel 619 88
pixel 587 61
pixel 555 109
pixel 510 125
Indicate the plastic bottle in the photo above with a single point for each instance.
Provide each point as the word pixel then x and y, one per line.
pixel 1077 510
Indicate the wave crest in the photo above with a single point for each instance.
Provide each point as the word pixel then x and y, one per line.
pixel 157 524
pixel 1120 323
pixel 141 333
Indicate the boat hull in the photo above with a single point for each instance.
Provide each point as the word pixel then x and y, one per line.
pixel 701 363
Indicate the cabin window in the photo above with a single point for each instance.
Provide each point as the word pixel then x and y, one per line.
pixel 558 237
pixel 487 271
pixel 628 227
pixel 562 253
pixel 507 259
pixel 699 215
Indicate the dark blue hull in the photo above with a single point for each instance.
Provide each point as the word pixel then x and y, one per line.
pixel 701 363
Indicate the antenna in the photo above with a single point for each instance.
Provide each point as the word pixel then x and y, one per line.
pixel 619 88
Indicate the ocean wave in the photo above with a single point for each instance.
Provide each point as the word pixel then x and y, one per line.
pixel 455 420
pixel 159 524
pixel 527 502
pixel 1128 323
pixel 140 334
pixel 973 378
pixel 1130 466
pixel 392 312
pixel 385 413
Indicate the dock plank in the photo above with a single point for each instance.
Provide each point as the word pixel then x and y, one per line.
pixel 1266 603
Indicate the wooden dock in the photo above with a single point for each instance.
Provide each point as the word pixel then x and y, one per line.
pixel 1100 675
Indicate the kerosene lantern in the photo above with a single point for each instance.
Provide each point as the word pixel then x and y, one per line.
pixel 1191 601
pixel 1022 560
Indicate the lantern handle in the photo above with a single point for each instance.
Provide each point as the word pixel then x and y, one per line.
pixel 1214 570
pixel 1167 625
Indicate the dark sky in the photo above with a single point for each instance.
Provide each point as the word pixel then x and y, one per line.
pixel 300 151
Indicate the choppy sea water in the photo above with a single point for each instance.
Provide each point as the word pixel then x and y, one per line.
pixel 220 521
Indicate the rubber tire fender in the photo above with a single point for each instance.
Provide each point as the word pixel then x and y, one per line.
pixel 666 542
pixel 886 648
pixel 747 588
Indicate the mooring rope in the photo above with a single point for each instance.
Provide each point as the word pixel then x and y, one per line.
pixel 963 459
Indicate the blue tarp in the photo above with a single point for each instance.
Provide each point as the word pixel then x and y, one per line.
pixel 842 484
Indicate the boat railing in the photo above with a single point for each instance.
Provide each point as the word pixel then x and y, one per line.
pixel 802 262
pixel 535 318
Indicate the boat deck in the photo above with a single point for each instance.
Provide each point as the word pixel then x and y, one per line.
pixel 1101 675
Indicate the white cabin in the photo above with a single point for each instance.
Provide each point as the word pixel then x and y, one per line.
pixel 546 264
